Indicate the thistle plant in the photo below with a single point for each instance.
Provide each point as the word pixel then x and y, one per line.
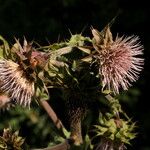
pixel 86 71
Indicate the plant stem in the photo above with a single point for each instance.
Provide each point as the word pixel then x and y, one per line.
pixel 52 114
pixel 62 146
pixel 110 99
pixel 76 132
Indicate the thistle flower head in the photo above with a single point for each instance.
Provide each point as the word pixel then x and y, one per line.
pixel 114 132
pixel 119 60
pixel 18 72
pixel 14 81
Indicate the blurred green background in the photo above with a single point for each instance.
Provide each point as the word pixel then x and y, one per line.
pixel 49 21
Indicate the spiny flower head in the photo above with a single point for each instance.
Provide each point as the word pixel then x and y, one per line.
pixel 18 72
pixel 119 59
pixel 114 132
pixel 15 82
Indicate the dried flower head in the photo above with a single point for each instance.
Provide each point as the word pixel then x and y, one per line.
pixel 39 59
pixel 28 52
pixel 119 60
pixel 14 81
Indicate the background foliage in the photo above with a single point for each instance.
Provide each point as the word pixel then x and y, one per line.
pixel 50 21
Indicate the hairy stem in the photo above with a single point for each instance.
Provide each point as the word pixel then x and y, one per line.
pixel 76 132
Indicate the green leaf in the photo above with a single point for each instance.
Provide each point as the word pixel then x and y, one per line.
pixel 66 133
pixel 106 92
pixel 5 49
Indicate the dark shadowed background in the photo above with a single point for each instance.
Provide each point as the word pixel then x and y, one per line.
pixel 49 21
